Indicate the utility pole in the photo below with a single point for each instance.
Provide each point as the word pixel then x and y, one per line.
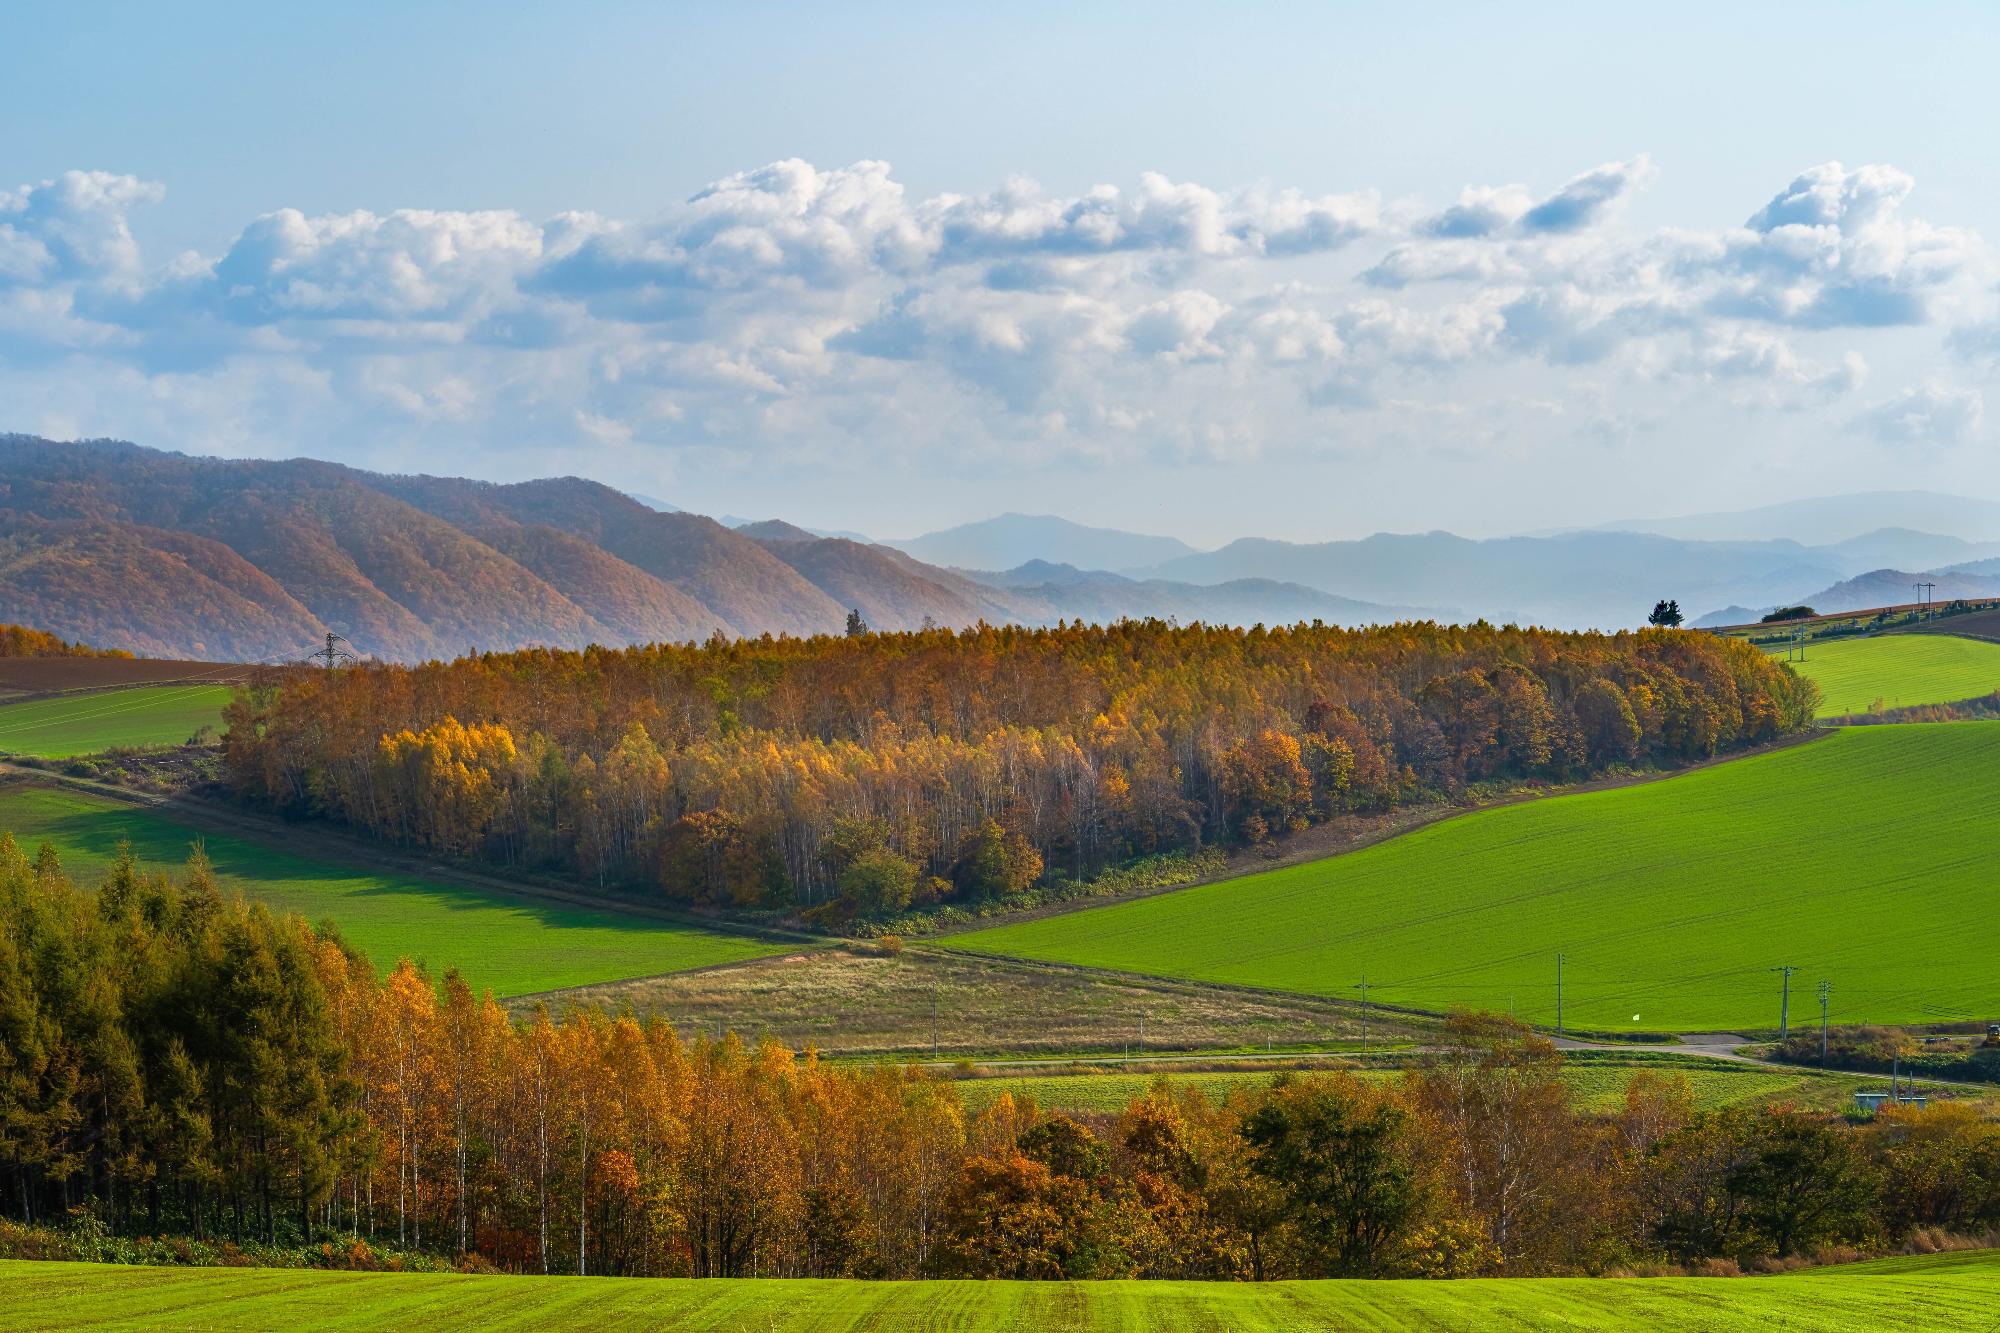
pixel 1142 1034
pixel 1363 988
pixel 1559 995
pixel 1824 990
pixel 934 1018
pixel 1785 1006
pixel 1925 590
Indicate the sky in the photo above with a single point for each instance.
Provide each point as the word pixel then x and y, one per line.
pixel 1283 270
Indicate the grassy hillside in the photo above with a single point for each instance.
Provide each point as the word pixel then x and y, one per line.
pixel 1900 670
pixel 1956 1292
pixel 511 946
pixel 140 718
pixel 1597 1085
pixel 1866 859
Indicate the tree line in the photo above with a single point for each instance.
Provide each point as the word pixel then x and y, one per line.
pixel 860 774
pixel 174 1062
pixel 22 641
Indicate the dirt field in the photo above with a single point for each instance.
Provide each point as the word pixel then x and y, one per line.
pixel 856 1001
pixel 25 677
pixel 1976 625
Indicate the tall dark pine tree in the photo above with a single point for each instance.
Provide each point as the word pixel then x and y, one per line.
pixel 1666 613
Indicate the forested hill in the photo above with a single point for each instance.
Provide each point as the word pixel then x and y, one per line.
pixel 171 555
pixel 854 776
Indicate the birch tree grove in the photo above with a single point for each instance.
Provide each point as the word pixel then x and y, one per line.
pixel 759 772
pixel 174 1063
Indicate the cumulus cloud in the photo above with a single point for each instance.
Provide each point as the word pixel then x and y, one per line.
pixel 1481 210
pixel 73 228
pixel 812 309
pixel 1584 200
pixel 407 265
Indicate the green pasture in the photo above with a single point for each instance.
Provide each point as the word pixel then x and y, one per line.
pixel 1597 1086
pixel 1867 859
pixel 1955 1292
pixel 511 946
pixel 141 718
pixel 1899 670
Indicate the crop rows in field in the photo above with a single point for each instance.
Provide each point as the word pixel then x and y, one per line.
pixel 1954 1292
pixel 509 945
pixel 1866 859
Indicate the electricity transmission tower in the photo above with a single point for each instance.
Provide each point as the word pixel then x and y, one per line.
pixel 1924 589
pixel 1785 1005
pixel 331 656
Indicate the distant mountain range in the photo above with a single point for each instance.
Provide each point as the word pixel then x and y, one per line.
pixel 168 554
pixel 1012 540
pixel 164 553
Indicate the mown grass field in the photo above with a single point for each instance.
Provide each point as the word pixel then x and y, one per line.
pixel 1899 670
pixel 1867 859
pixel 1956 1292
pixel 1597 1086
pixel 508 945
pixel 145 717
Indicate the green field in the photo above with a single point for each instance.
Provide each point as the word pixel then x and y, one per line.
pixel 1900 670
pixel 144 717
pixel 1867 859
pixel 1598 1086
pixel 507 945
pixel 1956 1292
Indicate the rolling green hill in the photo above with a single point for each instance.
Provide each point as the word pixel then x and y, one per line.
pixel 144 717
pixel 1955 1292
pixel 512 946
pixel 1900 670
pixel 1867 859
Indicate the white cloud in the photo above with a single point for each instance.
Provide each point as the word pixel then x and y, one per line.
pixel 1585 200
pixel 408 265
pixel 73 228
pixel 811 313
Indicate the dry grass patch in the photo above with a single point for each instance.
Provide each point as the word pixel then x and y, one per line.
pixel 862 1001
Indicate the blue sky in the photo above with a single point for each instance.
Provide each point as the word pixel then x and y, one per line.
pixel 1481 267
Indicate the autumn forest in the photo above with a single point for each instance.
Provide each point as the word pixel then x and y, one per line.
pixel 850 778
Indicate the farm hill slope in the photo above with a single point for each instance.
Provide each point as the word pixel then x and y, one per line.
pixel 1950 1292
pixel 515 944
pixel 1864 859
pixel 1899 670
